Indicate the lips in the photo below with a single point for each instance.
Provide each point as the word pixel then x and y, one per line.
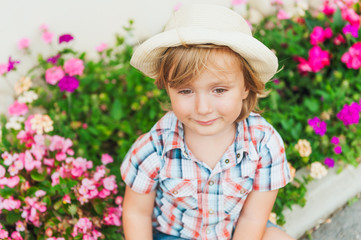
pixel 206 123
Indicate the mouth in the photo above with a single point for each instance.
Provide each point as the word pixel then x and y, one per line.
pixel 206 123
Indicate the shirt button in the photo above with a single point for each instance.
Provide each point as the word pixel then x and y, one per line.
pixel 243 191
pixel 238 155
pixel 210 211
pixel 208 231
pixel 226 161
pixel 211 183
pixel 175 192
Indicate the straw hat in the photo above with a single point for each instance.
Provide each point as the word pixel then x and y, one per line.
pixel 202 24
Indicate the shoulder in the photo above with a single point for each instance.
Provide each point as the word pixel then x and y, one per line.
pixel 260 131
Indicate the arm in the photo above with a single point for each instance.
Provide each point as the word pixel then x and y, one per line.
pixel 137 215
pixel 252 222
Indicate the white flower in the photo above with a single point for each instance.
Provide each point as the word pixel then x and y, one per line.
pixel 28 97
pixel 14 123
pixel 41 123
pixel 303 147
pixel 23 85
pixel 318 171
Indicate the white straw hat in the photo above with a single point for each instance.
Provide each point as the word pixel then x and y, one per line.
pixel 203 24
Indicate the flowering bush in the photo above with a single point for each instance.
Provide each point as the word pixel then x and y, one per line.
pixel 70 116
pixel 317 103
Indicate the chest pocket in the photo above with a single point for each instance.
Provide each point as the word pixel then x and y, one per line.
pixel 235 192
pixel 180 192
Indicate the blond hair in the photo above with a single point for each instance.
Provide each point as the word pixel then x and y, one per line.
pixel 182 64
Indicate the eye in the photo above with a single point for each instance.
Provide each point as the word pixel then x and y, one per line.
pixel 219 90
pixel 185 91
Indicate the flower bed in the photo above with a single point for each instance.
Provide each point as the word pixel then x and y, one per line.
pixel 74 118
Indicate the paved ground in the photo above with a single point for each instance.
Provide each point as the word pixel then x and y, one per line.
pixel 344 224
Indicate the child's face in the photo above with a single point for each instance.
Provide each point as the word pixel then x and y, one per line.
pixel 212 102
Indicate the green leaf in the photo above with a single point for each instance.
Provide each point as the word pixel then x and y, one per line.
pixel 58 204
pixel 72 209
pixel 39 177
pixel 12 217
pixel 117 110
pixel 337 19
pixel 312 105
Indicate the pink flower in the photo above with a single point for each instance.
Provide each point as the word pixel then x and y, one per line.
pixel 55 179
pixel 66 199
pixel 351 16
pixel 18 109
pixel 303 66
pixel 238 2
pixel 16 236
pixel 112 217
pixel 106 158
pixel 177 6
pixel 23 43
pixel 20 226
pixel 101 47
pixel 319 35
pixel 13 181
pixel 40 193
pixel 74 66
pixel 278 2
pixel 337 150
pixel 104 193
pixel 352 58
pixel 118 200
pixel 318 58
pixel 4 234
pixel 3 68
pixel 44 27
pixel 2 171
pixel 282 15
pixel 328 9
pixel 338 40
pixel 53 75
pixel 109 183
pixel 47 37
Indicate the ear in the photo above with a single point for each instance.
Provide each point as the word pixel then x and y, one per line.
pixel 245 93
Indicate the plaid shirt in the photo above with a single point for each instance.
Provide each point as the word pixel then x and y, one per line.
pixel 194 201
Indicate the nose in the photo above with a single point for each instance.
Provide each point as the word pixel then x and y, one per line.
pixel 203 104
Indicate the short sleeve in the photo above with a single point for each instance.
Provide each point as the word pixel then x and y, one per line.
pixel 140 167
pixel 272 169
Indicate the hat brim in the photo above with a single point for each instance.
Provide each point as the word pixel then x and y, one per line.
pixel 147 56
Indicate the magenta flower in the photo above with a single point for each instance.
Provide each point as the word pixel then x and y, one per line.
pixel 303 66
pixel 11 64
pixel 74 66
pixel 65 38
pixel 53 59
pixel 350 29
pixel 68 83
pixel 54 74
pixel 329 162
pixel 352 58
pixel 338 149
pixel 47 37
pixel 320 127
pixel 23 43
pixel 318 58
pixel 335 140
pixel 17 109
pixel 350 114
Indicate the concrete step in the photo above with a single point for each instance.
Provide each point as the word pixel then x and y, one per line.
pixel 324 196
